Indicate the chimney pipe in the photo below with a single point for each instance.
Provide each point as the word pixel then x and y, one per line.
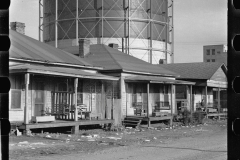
pixel 18 27
pixel 84 47
pixel 113 45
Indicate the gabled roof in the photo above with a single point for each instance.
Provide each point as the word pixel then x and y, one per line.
pixel 199 70
pixel 26 48
pixel 57 71
pixel 112 59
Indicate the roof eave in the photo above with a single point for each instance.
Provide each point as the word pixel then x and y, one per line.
pixel 54 63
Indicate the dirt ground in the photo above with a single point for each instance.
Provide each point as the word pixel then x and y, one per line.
pixel 88 142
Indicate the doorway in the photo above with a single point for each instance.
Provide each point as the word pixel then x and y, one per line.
pixel 39 99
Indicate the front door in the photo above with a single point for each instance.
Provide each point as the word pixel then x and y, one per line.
pixel 39 99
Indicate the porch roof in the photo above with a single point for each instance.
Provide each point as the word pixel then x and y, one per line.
pixel 58 71
pixel 152 79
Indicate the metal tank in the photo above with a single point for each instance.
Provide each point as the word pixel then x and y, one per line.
pixel 141 28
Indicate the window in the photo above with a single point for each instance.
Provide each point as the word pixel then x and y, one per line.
pixel 208 51
pixel 213 60
pixel 213 51
pixel 208 60
pixel 15 99
pixel 218 52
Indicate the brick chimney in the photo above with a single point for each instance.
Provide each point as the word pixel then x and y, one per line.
pixel 18 27
pixel 113 45
pixel 84 47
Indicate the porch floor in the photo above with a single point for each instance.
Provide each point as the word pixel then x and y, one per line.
pixel 219 115
pixel 62 123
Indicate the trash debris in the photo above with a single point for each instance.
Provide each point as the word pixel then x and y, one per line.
pixel 38 143
pixel 69 136
pixel 48 136
pixel 147 140
pixel 24 142
pixel 128 127
pixel 32 148
pixel 96 136
pixel 18 132
pixel 115 138
pixel 154 138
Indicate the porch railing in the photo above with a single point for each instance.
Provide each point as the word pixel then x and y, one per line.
pixel 62 105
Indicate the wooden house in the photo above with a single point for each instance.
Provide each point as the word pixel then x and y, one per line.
pixel 48 84
pixel 145 90
pixel 210 89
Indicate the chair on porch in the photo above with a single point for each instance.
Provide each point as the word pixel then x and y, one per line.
pixel 83 110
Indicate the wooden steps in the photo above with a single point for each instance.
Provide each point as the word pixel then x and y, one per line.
pixel 133 121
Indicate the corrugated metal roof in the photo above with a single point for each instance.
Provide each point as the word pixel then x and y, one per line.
pixel 152 79
pixel 24 47
pixel 112 59
pixel 59 71
pixel 199 70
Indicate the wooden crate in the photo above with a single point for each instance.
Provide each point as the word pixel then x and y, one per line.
pixel 37 119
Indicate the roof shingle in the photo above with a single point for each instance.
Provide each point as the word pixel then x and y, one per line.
pixel 24 47
pixel 198 70
pixel 112 59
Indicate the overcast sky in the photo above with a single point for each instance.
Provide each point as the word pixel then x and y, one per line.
pixel 196 23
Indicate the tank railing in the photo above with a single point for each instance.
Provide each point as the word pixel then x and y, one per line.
pixel 133 19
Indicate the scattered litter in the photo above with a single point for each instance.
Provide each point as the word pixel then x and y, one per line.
pixel 67 139
pixel 24 142
pixel 128 127
pixel 154 138
pixel 38 143
pixel 88 136
pixel 150 127
pixel 91 140
pixel 18 132
pixel 96 136
pixel 69 136
pixel 78 139
pixel 48 136
pixel 115 138
pixel 147 140
pixel 32 148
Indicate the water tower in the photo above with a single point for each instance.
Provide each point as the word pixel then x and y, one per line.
pixel 141 28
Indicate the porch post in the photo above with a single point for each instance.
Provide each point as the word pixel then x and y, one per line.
pixel 191 101
pixel 112 100
pixel 26 120
pixel 56 24
pixel 206 98
pixel 171 105
pixel 148 105
pixel 219 100
pixel 75 99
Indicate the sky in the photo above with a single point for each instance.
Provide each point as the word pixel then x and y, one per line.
pixel 196 23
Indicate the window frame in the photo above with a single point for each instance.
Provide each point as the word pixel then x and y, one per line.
pixel 11 98
pixel 213 51
pixel 207 51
